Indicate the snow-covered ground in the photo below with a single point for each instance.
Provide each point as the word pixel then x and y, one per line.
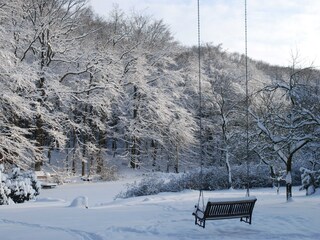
pixel 55 214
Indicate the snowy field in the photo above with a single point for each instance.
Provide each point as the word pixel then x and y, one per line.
pixel 54 215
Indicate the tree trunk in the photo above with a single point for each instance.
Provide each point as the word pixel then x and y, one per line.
pixel 40 141
pixel 50 154
pixel 100 153
pixel 74 155
pixel 168 164
pixel 176 164
pixel 134 162
pixel 154 153
pixel 83 168
pixel 41 97
pixel 134 147
pixel 67 157
pixel 289 179
pixel 114 147
pixel 83 162
pixel 83 153
pixel 228 167
pixel 99 162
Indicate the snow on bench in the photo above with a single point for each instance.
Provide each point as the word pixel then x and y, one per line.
pixel 46 179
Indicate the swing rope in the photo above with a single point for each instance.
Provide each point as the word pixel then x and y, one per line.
pixel 200 87
pixel 201 197
pixel 247 95
pixel 246 103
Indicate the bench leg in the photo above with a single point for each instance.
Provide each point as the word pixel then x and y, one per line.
pixel 246 220
pixel 199 222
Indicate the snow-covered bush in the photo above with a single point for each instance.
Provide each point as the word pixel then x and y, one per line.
pixel 18 186
pixel 310 180
pixel 109 173
pixel 147 186
pixel 206 179
pixel 154 183
pixel 259 176
pixel 4 190
pixel 212 178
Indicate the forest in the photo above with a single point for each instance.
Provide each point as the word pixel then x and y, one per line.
pixel 94 91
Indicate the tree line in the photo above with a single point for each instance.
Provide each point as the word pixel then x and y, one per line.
pixel 122 88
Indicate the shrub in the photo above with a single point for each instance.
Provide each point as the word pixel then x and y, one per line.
pixel 147 186
pixel 4 193
pixel 259 176
pixel 310 180
pixel 18 186
pixel 108 173
pixel 212 178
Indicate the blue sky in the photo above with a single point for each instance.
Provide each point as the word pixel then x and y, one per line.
pixel 277 29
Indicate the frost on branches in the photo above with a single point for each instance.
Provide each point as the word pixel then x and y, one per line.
pixel 17 186
pixel 310 180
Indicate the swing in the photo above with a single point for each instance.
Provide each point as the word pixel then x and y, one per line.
pixel 224 208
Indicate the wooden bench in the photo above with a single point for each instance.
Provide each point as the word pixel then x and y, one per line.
pixel 47 185
pixel 46 179
pixel 225 208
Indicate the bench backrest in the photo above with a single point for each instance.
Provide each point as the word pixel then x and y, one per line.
pixel 230 208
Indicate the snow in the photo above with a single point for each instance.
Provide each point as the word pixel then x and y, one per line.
pixel 234 199
pixel 289 178
pixel 81 201
pixel 162 216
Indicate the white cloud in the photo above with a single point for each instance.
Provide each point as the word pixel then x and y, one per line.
pixel 275 28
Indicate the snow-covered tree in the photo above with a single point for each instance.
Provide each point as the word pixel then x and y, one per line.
pixel 149 114
pixel 310 180
pixel 287 121
pixel 229 108
pixel 46 37
pixel 16 111
pixel 17 186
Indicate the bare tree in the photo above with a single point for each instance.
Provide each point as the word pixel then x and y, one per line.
pixel 286 121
